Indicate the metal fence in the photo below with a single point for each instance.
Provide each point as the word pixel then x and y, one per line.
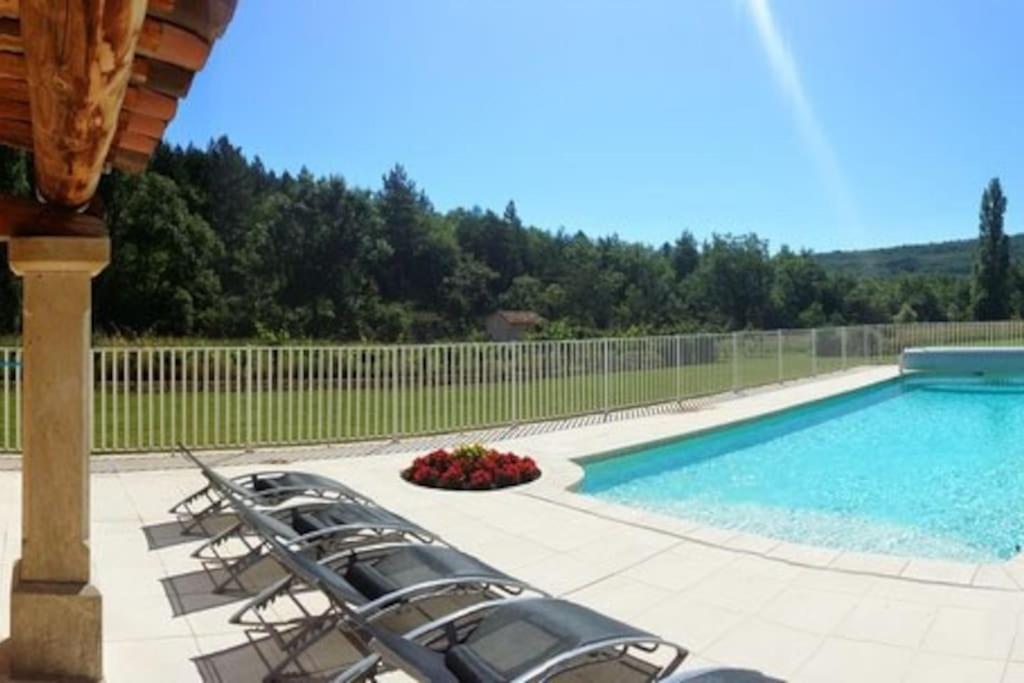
pixel 218 397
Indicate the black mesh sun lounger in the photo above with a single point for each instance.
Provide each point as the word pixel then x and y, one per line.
pixel 361 585
pixel 325 528
pixel 518 639
pixel 267 489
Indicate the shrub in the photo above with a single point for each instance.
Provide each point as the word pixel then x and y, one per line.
pixel 471 467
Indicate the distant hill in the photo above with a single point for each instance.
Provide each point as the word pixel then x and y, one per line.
pixel 938 258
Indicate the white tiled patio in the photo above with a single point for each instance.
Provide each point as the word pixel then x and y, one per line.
pixel 794 612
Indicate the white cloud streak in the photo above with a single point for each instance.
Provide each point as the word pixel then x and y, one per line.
pixel 787 74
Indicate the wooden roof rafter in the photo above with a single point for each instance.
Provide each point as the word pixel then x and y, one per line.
pixel 168 42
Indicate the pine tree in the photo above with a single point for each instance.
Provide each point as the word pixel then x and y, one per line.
pixel 990 287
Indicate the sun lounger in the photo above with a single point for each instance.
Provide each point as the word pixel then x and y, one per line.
pixel 521 639
pixel 361 586
pixel 267 489
pixel 326 528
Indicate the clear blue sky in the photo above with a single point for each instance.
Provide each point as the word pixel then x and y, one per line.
pixel 838 124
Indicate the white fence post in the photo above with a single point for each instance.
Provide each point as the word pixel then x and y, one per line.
pixel 607 377
pixel 814 352
pixel 778 336
pixel 842 341
pixel 513 367
pixel 735 362
pixel 248 398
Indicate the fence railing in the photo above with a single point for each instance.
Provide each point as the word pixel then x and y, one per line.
pixel 249 396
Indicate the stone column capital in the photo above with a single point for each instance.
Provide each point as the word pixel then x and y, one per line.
pixel 58 254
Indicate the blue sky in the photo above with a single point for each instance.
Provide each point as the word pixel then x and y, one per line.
pixel 839 124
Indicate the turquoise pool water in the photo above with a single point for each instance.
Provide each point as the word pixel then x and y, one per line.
pixel 925 466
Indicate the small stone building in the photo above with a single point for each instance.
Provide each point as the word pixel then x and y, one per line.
pixel 511 325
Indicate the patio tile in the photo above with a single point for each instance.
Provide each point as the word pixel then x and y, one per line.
pixel 1017 651
pixel 570 533
pixel 773 649
pixel 510 553
pixel 140 617
pixel 931 594
pixel 130 575
pixel 974 633
pixel 838 581
pixel 623 549
pixel 937 570
pixel 690 622
pixel 559 574
pixel 886 621
pixel 164 660
pixel 871 563
pixel 929 667
pixel 620 597
pixel 1014 672
pixel 712 535
pixel 849 661
pixel 808 610
pixel 993 576
pixel 753 543
pixel 804 554
pixel 674 570
pixel 738 591
pixel 973 598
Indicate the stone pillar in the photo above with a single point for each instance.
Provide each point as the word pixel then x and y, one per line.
pixel 55 611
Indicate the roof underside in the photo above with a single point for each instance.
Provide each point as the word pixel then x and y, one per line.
pixel 173 44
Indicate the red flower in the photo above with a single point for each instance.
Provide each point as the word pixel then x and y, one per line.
pixel 481 479
pixel 471 467
pixel 424 475
pixel 453 477
pixel 507 475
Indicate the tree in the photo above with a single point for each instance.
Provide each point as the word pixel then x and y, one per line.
pixel 163 280
pixel 734 281
pixel 991 278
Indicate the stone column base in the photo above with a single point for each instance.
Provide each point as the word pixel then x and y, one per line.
pixel 55 630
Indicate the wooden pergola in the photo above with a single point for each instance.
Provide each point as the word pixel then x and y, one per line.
pixel 86 86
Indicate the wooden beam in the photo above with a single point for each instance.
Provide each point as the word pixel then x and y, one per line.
pixel 145 101
pixel 162 77
pixel 16 134
pixel 12 65
pixel 142 124
pixel 9 8
pixel 11 110
pixel 14 89
pixel 21 217
pixel 171 44
pixel 10 35
pixel 78 57
pixel 206 18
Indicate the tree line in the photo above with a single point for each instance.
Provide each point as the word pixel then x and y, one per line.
pixel 210 243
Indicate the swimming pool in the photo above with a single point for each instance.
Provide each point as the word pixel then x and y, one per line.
pixel 922 465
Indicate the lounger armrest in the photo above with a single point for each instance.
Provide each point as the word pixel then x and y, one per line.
pixel 647 642
pixel 262 599
pixel 438 585
pixel 718 675
pixel 216 540
pixel 362 670
pixel 453 617
pixel 305 539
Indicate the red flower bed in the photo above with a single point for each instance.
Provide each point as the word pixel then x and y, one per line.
pixel 471 468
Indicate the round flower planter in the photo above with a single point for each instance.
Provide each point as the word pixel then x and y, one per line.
pixel 470 468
